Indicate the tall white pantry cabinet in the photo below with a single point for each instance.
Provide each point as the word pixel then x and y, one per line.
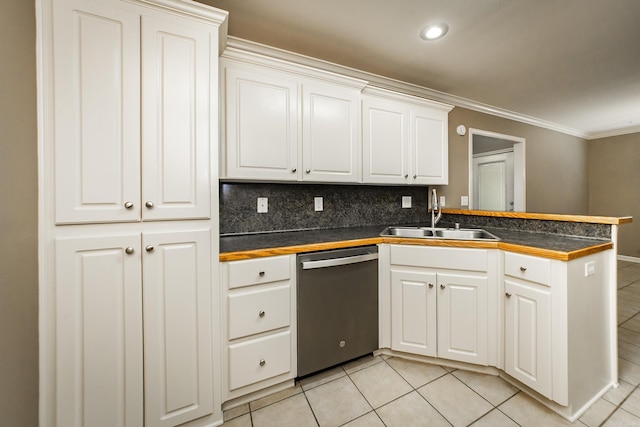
pixel 128 137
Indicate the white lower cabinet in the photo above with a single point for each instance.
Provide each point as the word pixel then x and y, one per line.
pixel 528 334
pixel 259 324
pixel 437 310
pixel 116 295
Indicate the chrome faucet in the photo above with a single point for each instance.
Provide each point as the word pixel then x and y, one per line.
pixel 434 207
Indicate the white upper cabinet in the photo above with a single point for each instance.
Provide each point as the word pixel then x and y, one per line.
pixel 176 178
pixel 290 124
pixel 112 68
pixel 330 137
pixel 262 125
pixel 405 139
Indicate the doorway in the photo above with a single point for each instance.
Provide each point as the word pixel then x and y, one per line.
pixel 496 171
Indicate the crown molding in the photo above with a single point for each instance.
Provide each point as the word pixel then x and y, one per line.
pixel 386 83
pixel 614 132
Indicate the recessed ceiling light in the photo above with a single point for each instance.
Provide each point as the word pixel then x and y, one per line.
pixel 434 31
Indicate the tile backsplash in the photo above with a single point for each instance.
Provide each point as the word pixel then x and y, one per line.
pixel 291 206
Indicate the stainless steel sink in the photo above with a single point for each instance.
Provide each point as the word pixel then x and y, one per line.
pixel 439 233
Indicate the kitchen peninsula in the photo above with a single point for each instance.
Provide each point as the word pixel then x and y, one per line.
pixel 546 296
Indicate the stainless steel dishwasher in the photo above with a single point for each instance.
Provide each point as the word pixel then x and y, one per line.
pixel 337 307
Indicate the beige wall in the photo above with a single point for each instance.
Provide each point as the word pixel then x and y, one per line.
pixel 614 185
pixel 556 164
pixel 18 216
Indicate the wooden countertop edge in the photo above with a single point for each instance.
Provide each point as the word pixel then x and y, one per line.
pixel 546 217
pixel 527 250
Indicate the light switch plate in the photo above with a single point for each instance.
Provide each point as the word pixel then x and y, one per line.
pixel 263 205
pixel 442 200
pixel 318 204
pixel 464 200
pixel 406 202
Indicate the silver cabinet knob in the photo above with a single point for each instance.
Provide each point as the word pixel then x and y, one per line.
pixel 406 176
pixel 308 171
pixel 148 248
pixel 442 286
pixel 128 205
pixel 128 250
pixel 261 274
pixel 262 362
pixel 508 294
pixel 149 204
pixel 294 170
pixel 430 285
pixel 261 313
pixel 523 269
pixel 415 176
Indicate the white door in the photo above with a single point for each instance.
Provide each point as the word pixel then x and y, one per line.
pixel 330 133
pixel 99 373
pixel 528 335
pixel 429 146
pixel 96 81
pixel 385 141
pixel 413 312
pixel 177 327
pixel 261 125
pixel 462 318
pixel 493 189
pixel 175 111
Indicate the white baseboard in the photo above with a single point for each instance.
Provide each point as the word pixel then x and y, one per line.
pixel 628 258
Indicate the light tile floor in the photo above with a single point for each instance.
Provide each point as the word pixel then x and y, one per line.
pixel 377 391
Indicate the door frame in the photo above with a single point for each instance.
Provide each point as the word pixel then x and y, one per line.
pixel 519 170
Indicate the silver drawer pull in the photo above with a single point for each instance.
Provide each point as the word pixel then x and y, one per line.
pixel 149 204
pixel 128 205
pixel 523 269
pixel 262 362
pixel 128 250
pixel 261 274
pixel 442 286
pixel 261 313
pixel 430 285
pixel 149 248
pixel 508 294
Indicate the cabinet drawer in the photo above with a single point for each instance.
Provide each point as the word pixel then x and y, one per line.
pixel 257 271
pixel 259 359
pixel 528 267
pixel 437 257
pixel 255 311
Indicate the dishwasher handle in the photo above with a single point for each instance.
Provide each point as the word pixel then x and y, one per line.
pixel 334 262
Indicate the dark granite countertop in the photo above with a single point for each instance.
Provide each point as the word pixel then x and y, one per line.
pixel 510 239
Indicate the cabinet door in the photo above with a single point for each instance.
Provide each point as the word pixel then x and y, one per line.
pixel 261 125
pixel 99 374
pixel 330 133
pixel 177 327
pixel 96 85
pixel 528 334
pixel 175 111
pixel 385 142
pixel 429 146
pixel 413 312
pixel 462 317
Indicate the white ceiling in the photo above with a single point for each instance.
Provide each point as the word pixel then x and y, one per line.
pixel 574 63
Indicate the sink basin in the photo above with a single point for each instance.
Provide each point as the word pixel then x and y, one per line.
pixel 439 233
pixel 407 232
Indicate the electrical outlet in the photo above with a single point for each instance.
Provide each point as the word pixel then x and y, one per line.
pixel 318 204
pixel 589 268
pixel 464 200
pixel 442 200
pixel 263 205
pixel 406 202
